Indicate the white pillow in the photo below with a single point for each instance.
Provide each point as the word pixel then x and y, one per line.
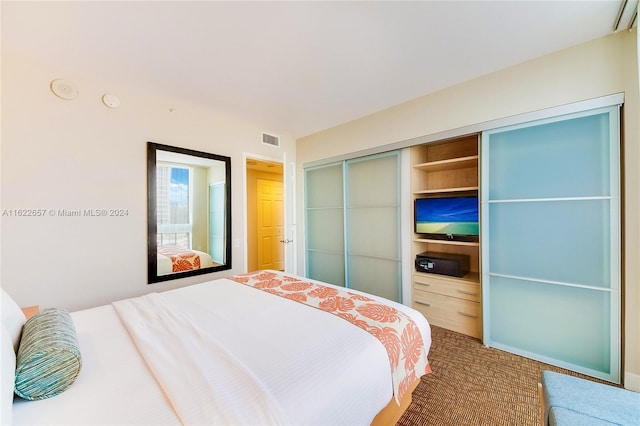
pixel 7 378
pixel 12 318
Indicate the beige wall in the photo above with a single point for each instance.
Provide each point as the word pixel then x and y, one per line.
pixel 60 154
pixel 598 68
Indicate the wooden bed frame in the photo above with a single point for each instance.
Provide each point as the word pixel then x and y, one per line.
pixel 392 412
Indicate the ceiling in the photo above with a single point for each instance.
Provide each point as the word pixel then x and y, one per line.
pixel 296 68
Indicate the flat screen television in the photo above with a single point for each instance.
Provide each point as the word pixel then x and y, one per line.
pixel 447 218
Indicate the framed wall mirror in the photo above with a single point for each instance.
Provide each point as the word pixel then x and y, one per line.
pixel 189 212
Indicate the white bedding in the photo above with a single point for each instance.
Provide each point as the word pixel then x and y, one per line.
pixel 308 366
pixel 114 386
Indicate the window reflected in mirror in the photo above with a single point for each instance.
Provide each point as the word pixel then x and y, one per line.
pixel 189 212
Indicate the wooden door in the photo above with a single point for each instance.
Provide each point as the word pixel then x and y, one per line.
pixel 270 216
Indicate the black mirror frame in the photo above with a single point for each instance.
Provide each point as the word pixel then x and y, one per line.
pixel 152 225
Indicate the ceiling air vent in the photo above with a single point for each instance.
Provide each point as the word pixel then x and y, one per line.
pixel 270 140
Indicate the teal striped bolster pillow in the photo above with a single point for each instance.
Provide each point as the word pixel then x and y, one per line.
pixel 48 357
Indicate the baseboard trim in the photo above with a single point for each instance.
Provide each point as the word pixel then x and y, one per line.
pixel 632 381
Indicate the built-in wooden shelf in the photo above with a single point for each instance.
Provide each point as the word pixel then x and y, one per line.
pixel 447 242
pixel 444 169
pixel 471 277
pixel 446 190
pixel 451 164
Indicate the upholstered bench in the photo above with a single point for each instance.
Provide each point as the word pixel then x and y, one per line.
pixel 569 400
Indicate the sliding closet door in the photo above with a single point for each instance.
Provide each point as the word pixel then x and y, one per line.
pixel 324 218
pixel 352 213
pixel 373 224
pixel 551 249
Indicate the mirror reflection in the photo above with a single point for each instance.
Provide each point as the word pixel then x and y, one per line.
pixel 189 212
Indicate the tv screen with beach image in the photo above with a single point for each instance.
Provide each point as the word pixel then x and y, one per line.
pixel 449 215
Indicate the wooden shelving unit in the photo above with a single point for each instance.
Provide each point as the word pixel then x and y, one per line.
pixel 450 164
pixel 445 190
pixel 445 168
pixel 449 243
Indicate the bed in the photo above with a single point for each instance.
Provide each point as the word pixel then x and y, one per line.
pixel 259 348
pixel 176 259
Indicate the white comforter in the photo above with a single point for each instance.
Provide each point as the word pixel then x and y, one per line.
pixel 276 361
pixel 114 386
pixel 299 365
pixel 204 381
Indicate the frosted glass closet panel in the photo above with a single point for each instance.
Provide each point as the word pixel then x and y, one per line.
pixel 372 219
pixel 556 159
pixel 551 241
pixel 552 321
pixel 217 227
pixel 540 239
pixel 356 246
pixel 324 200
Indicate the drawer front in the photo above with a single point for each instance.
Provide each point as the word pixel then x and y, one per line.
pixel 448 287
pixel 449 312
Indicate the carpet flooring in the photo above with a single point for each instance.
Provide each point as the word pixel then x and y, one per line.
pixel 475 385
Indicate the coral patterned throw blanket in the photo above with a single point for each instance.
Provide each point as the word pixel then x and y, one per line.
pixel 181 259
pixel 394 329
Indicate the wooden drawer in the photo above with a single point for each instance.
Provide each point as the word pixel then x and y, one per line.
pixel 452 313
pixel 447 286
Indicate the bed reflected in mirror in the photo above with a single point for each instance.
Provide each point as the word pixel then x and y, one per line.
pixel 189 212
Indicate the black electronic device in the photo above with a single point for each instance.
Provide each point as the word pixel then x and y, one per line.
pixel 455 265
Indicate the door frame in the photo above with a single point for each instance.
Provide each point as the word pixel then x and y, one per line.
pixel 288 181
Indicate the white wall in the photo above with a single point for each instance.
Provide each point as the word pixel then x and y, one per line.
pixel 602 67
pixel 79 154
